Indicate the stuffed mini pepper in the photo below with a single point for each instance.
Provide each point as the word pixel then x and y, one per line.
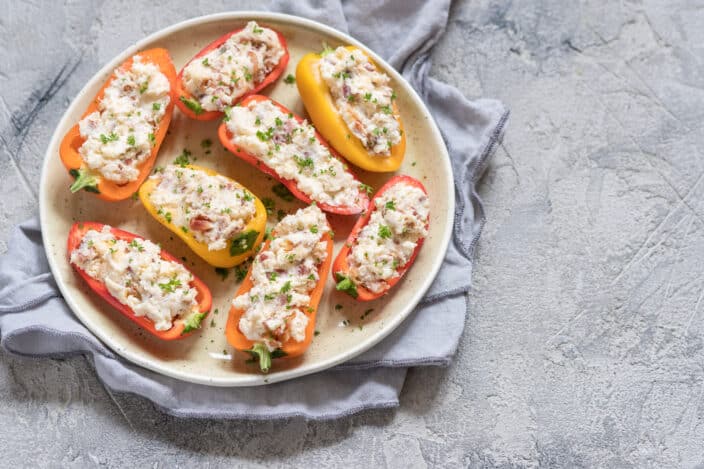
pixel 111 151
pixel 273 313
pixel 217 217
pixel 139 279
pixel 267 135
pixel 385 241
pixel 232 67
pixel 352 105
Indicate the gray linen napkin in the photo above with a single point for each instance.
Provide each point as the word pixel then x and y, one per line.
pixel 35 321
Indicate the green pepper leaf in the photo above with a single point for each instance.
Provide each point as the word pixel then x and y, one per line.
pixel 192 104
pixel 261 353
pixel 243 242
pixel 193 322
pixel 84 180
pixel 345 284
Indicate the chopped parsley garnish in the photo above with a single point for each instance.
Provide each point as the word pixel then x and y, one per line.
pixel 247 75
pixel 283 192
pixel 136 245
pixel 192 104
pixel 156 106
pixel 205 62
pixel 167 215
pixel 367 96
pixel 143 87
pixel 152 138
pixel 272 276
pixel 314 229
pixel 206 143
pixel 184 229
pixel 265 136
pixel 184 158
pixel 222 272
pixel 113 137
pixel 286 287
pixel 390 205
pixel 386 109
pixel 385 232
pixel 278 122
pixel 366 188
pixel 257 121
pixel 290 79
pixel 269 204
pixel 171 285
pixel 257 30
pixel 303 163
pixel 393 95
pixel 241 272
pixel 131 140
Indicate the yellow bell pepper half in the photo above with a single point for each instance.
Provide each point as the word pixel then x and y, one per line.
pixel 323 112
pixel 239 248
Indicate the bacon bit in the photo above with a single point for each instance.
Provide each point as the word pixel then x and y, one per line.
pixel 255 65
pixel 201 223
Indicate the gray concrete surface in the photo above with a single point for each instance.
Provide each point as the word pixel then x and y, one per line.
pixel 584 342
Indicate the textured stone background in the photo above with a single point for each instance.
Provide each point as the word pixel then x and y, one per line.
pixel 584 342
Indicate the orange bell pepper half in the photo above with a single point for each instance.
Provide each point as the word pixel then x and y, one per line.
pixel 182 327
pixel 190 106
pixel 226 139
pixel 291 348
pixel 72 141
pixel 323 112
pixel 341 268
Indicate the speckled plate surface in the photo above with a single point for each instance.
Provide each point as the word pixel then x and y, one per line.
pixel 205 357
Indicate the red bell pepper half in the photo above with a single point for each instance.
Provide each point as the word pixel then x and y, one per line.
pixel 226 139
pixel 340 267
pixel 189 105
pixel 182 327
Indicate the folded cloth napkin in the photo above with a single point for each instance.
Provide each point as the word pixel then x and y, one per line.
pixel 35 321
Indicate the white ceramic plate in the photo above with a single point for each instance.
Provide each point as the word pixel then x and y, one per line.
pixel 205 357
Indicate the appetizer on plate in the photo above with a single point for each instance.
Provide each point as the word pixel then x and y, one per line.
pixel 139 279
pixel 267 135
pixel 273 312
pixel 111 151
pixel 232 67
pixel 217 217
pixel 385 241
pixel 352 105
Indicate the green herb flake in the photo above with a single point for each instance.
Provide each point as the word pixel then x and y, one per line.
pixel 283 192
pixel 366 188
pixel 269 204
pixel 156 106
pixel 290 79
pixel 385 232
pixel 390 205
pixel 222 272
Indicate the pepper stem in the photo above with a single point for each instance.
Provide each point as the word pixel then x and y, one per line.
pixel 84 180
pixel 260 351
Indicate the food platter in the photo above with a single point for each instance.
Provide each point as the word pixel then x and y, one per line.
pixel 345 328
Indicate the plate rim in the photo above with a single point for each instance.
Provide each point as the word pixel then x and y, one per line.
pixel 277 376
